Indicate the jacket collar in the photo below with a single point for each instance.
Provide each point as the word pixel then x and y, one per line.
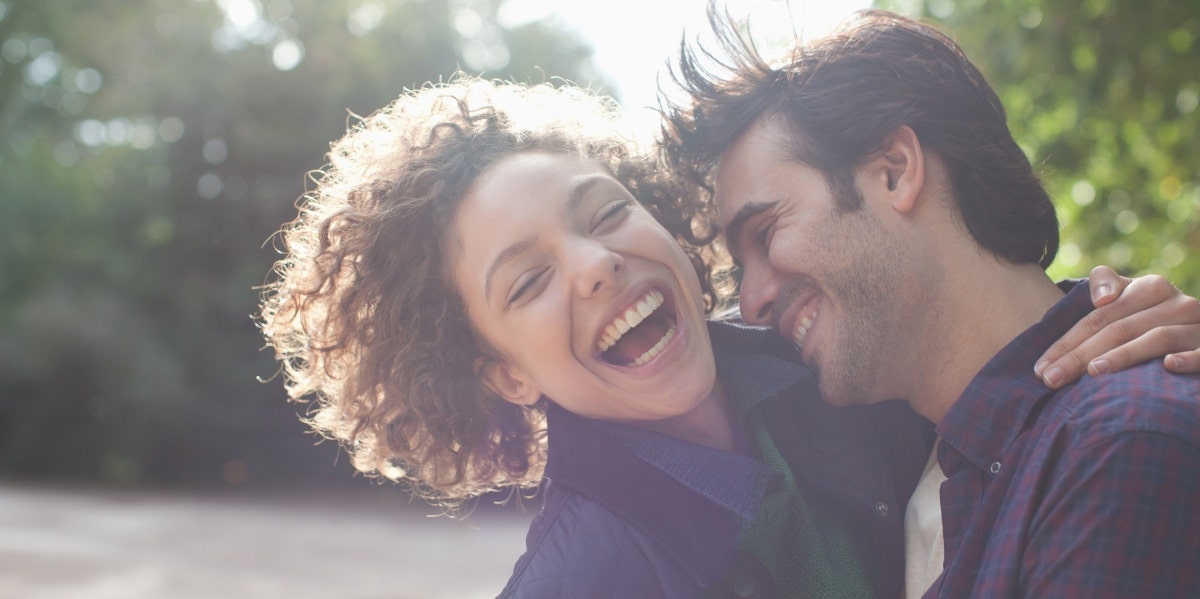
pixel 754 363
pixel 692 499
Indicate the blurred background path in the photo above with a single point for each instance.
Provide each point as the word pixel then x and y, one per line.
pixel 66 543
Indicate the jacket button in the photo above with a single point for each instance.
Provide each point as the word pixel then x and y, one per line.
pixel 994 468
pixel 882 509
pixel 743 586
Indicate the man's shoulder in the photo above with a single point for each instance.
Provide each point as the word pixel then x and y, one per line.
pixel 1143 398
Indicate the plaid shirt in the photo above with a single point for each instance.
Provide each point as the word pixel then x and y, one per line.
pixel 1089 491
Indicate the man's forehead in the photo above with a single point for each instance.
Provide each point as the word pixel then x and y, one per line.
pixel 729 175
pixel 722 199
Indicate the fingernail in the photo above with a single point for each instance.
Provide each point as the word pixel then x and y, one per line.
pixel 1174 362
pixel 1099 366
pixel 1101 290
pixel 1052 377
pixel 1040 366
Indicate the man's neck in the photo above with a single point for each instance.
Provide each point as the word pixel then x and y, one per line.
pixel 985 307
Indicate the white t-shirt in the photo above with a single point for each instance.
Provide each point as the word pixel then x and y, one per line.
pixel 924 549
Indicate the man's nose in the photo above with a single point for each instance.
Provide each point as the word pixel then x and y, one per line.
pixel 758 293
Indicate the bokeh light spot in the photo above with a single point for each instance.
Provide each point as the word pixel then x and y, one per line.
pixel 364 18
pixel 1173 255
pixel 44 68
pixel 1170 187
pixel 1069 255
pixel 88 81
pixel 1083 193
pixel 1126 221
pixel 90 132
pixel 1119 254
pixel 209 186
pixel 215 151
pixel 170 129
pixel 287 55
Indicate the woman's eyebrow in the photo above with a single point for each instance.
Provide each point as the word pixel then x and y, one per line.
pixel 510 252
pixel 580 189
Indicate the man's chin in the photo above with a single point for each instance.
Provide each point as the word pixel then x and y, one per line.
pixel 838 393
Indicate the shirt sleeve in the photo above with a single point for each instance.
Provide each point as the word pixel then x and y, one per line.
pixel 1121 518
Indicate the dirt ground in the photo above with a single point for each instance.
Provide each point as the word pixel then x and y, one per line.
pixel 99 544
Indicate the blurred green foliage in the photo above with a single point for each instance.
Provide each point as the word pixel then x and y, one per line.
pixel 148 151
pixel 1103 96
pixel 150 148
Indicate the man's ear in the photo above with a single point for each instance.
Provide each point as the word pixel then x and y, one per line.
pixel 900 169
pixel 508 382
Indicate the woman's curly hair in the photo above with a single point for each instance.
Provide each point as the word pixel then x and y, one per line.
pixel 361 311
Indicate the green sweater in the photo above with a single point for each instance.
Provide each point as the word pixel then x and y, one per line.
pixel 807 555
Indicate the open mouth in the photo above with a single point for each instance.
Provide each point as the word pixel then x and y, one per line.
pixel 640 333
pixel 802 327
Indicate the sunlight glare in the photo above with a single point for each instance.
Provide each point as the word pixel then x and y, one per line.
pixel 633 39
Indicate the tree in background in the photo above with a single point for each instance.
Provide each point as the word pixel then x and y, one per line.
pixel 148 151
pixel 1103 96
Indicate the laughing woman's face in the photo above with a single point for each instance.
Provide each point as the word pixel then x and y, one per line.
pixel 585 298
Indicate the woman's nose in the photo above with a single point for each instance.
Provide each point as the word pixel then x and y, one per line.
pixel 597 267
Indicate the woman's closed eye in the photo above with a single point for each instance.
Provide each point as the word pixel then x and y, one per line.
pixel 611 214
pixel 531 282
pixel 527 285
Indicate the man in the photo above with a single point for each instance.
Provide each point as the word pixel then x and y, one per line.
pixel 887 223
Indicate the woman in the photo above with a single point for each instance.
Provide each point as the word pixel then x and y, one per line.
pixel 491 284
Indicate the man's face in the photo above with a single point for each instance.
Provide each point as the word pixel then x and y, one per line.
pixel 587 299
pixel 827 280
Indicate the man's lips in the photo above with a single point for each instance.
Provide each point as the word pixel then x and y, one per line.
pixel 803 320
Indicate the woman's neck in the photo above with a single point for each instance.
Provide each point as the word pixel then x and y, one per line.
pixel 710 424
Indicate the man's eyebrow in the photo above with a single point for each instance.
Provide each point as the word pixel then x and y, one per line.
pixel 574 197
pixel 748 211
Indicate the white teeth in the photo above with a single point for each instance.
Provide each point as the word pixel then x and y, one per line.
pixel 801 331
pixel 645 309
pixel 658 347
pixel 631 318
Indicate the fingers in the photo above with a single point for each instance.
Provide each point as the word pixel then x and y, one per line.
pixel 1068 359
pixel 1159 341
pixel 1125 297
pixel 1150 318
pixel 1187 362
pixel 1101 330
pixel 1106 285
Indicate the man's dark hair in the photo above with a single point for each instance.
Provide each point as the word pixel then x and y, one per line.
pixel 844 95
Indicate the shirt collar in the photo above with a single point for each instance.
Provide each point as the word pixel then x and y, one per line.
pixel 992 410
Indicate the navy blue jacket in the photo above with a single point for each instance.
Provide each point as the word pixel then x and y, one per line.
pixel 632 513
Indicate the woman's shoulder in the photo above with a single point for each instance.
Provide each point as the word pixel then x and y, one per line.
pixel 578 548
